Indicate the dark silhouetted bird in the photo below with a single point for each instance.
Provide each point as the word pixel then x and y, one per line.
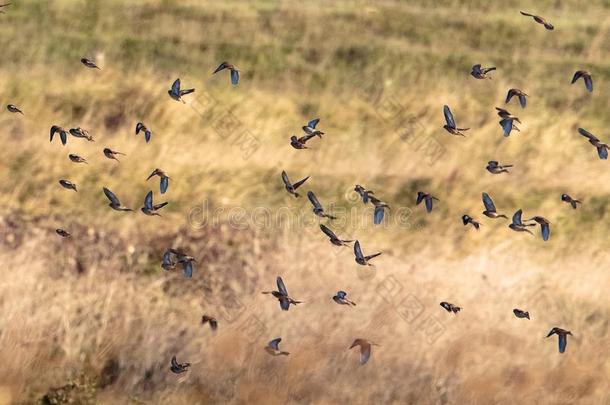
pixel 81 133
pixel 14 109
pixel 164 182
pixel 521 314
pixel 317 207
pixel 450 307
pixel 365 349
pixel 602 148
pixel 521 95
pixel 479 72
pixel 333 238
pixel 291 188
pixel 175 92
pixel 586 76
pixel 450 125
pixel 63 233
pixel 341 299
pixel 211 320
pixel 545 229
pixel 360 258
pixel 490 208
pixel 282 295
pixel 517 225
pixel 178 368
pixel 76 158
pixel 115 204
pixel 299 143
pixel 563 337
pixel 467 219
pixel 363 193
pixel 310 128
pixel 539 20
pixel 112 154
pixel 232 68
pixel 168 262
pixel 185 260
pixel 496 168
pixel 63 136
pixel 149 208
pixel 273 348
pixel 573 202
pixel 68 184
pixel 142 127
pixel 428 198
pixel 89 63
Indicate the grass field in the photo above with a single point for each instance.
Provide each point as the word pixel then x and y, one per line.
pixel 94 318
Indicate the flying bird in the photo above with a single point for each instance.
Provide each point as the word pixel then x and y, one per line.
pixel 149 208
pixel 178 368
pixel 428 198
pixel 334 239
pixel 76 159
pixel 168 263
pixel 490 208
pixel 508 125
pixel 299 143
pixel 63 233
pixel 494 167
pixel 142 127
pixel 518 93
pixel 479 72
pixel 573 202
pixel 341 299
pixel 176 94
pixel 539 20
pixel 291 188
pixel 273 348
pixel 14 109
pixel 115 203
pixel 63 136
pixel 545 230
pixel 310 128
pixel 164 179
pixel 317 207
pixel 211 320
pixel 365 349
pixel 67 184
pixel 81 133
pixel 450 307
pixel 185 260
pixel 363 193
pixel 282 295
pixel 521 314
pixel 517 225
pixel 360 258
pixel 379 212
pixel 89 63
pixel 563 337
pixel 112 154
pixel 467 219
pixel 602 148
pixel 586 76
pixel 450 125
pixel 232 68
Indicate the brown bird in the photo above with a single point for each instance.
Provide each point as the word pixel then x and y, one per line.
pixel 211 320
pixel 89 63
pixel 63 233
pixel 81 133
pixel 365 349
pixel 14 109
pixel 67 184
pixel 63 136
pixel 450 307
pixel 282 295
pixel 76 158
pixel 573 202
pixel 299 143
pixel 479 72
pixel 273 348
pixel 563 337
pixel 111 154
pixel 586 76
pixel 494 167
pixel 539 20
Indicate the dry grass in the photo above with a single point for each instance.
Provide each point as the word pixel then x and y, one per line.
pixel 98 317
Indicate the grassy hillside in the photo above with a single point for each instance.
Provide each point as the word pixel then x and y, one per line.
pixel 96 314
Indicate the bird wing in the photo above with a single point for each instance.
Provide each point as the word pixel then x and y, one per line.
pixel 563 342
pixel 577 76
pixel 167 259
pixel 449 117
pixel 546 231
pixel 285 179
pixel 148 201
pixel 314 200
pixel 420 198
pixel 507 126
pixel 175 362
pixel 378 215
pixel 526 14
pixel 54 129
pixel 139 127
pixel 602 152
pixel 522 100
pixel 341 294
pixel 328 232
pixel 509 95
pixel 489 204
pixel 365 352
pixel 358 251
pixel 589 83
pixel 517 217
pixel 187 266
pixel 176 86
pixel 298 183
pixel 234 77
pixel 164 184
pixel 429 204
pixel 281 287
pixel 220 67
pixel 313 123
pixel 112 197
pixel 588 135
pixel 275 343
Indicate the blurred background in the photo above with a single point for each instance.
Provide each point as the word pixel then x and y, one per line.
pixel 94 318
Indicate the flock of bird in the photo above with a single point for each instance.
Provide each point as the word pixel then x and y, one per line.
pixel 174 257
